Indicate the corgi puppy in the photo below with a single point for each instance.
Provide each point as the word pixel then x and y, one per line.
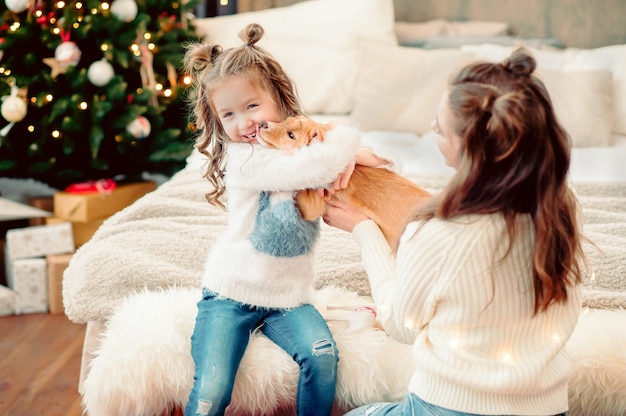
pixel 384 196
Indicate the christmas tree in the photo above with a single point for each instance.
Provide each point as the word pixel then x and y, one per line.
pixel 92 89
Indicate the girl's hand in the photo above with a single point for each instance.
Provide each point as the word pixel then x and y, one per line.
pixel 365 157
pixel 342 215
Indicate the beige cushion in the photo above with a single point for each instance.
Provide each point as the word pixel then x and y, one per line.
pixel 407 31
pixel 399 88
pixel 583 103
pixel 608 58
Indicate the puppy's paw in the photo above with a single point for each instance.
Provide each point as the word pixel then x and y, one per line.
pixel 310 204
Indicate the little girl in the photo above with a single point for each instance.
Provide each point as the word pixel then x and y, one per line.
pixel 485 281
pixel 259 273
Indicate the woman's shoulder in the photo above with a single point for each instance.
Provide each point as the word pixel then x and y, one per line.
pixel 474 226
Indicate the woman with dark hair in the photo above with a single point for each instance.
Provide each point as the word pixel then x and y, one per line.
pixel 485 280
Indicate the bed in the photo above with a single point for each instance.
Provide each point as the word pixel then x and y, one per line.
pixel 136 282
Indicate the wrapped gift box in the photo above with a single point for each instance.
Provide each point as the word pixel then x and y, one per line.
pixel 56 266
pixel 39 241
pixel 79 207
pixel 7 301
pixel 27 278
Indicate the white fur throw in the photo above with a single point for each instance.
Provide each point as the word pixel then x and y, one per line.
pixel 162 240
pixel 144 364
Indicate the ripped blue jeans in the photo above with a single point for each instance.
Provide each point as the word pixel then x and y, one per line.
pixel 220 337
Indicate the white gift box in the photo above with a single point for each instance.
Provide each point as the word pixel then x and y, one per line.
pixel 39 241
pixel 28 279
pixel 7 301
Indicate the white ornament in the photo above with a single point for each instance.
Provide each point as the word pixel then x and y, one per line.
pixel 17 6
pixel 13 108
pixel 100 73
pixel 67 54
pixel 125 10
pixel 139 127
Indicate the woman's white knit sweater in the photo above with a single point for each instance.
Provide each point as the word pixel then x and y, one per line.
pixel 468 311
pixel 265 256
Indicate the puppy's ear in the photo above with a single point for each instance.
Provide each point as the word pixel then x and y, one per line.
pixel 315 134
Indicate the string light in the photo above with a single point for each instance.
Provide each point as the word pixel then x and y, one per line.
pixel 60 4
pixel 105 6
pixel 187 80
pixel 14 26
pixel 83 105
pixel 30 128
pixel 506 358
pixel 55 134
pixel 167 92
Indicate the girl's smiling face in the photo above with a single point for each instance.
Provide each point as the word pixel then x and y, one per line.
pixel 449 142
pixel 241 106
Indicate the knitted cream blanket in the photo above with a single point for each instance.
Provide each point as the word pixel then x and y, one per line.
pixel 163 238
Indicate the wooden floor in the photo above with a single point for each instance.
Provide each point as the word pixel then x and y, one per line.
pixel 39 365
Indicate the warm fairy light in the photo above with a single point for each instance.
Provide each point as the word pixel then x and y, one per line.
pixel 49 97
pixel 75 25
pixel 118 138
pixel 33 100
pixel 78 5
pixel 14 26
pixel 56 134
pixel 38 13
pixel 158 86
pixel 175 5
pixel 56 31
pixel 167 92
pixel 223 2
pixel 94 11
pixel 151 46
pixel 5 71
pixel 147 36
pixel 134 48
pixel 60 4
pixel 105 5
pixel 506 358
pixel 82 105
pixel 104 47
pixel 409 324
pixel 30 128
pixel 187 80
pixel 53 20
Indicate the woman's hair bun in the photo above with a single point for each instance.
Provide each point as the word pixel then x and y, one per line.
pixel 520 63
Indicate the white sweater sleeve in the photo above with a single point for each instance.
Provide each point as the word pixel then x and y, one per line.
pixel 380 265
pixel 314 166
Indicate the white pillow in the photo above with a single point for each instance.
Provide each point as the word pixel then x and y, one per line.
pixel 315 42
pixel 399 88
pixel 611 58
pixel 409 31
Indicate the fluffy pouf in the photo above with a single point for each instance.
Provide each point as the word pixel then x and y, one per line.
pixel 144 366
pixel 597 350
